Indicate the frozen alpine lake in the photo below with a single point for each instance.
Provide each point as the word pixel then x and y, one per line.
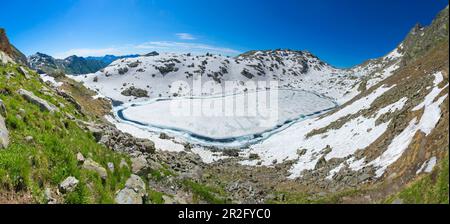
pixel 225 121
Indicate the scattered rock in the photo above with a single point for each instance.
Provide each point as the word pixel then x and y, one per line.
pixel 139 164
pixel 253 156
pixel 97 132
pixel 364 177
pixel 164 136
pixel 24 72
pixel 146 145
pixel 49 196
pixel 231 152
pixel 321 163
pixel 301 152
pixel 137 184
pixel 111 166
pixel 68 185
pixel 136 92
pixel 128 196
pixel 90 164
pixel 134 191
pixel 122 70
pixel 29 139
pixel 80 157
pixel 44 105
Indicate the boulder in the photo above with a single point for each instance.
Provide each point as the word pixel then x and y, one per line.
pixel 146 145
pixel 4 134
pixel 68 185
pixel 136 183
pixel 139 164
pixel 97 132
pixel 128 196
pixel 136 92
pixel 91 165
pixel 44 105
pixel 24 72
pixel 133 193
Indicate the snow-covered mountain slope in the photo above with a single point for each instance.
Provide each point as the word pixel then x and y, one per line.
pixel 392 109
pixel 401 114
pixel 157 75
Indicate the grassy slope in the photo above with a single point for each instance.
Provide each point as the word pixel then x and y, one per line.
pixel 51 157
pixel 428 189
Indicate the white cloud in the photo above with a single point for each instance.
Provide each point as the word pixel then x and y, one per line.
pixel 160 46
pixel 185 36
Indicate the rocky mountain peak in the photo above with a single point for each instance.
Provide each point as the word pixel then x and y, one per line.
pixel 420 39
pixel 5 46
pixel 10 50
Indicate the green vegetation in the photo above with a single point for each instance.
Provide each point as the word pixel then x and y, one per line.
pixel 207 193
pixel 32 165
pixel 429 189
pixel 160 174
pixel 155 197
pixel 306 198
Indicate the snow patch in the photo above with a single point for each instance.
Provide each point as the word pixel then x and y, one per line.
pixel 47 78
pixel 427 166
pixel 428 121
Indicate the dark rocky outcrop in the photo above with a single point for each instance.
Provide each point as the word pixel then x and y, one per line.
pixel 136 92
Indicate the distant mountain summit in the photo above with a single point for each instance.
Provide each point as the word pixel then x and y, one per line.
pixel 75 65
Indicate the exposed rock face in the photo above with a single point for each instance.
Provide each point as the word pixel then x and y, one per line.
pixel 10 50
pixel 421 39
pixel 4 42
pixel 4 134
pixel 44 105
pixel 90 164
pixel 119 141
pixel 136 92
pixel 133 193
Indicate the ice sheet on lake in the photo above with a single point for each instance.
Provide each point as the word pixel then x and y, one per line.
pixel 216 121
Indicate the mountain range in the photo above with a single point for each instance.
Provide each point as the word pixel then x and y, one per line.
pixel 71 65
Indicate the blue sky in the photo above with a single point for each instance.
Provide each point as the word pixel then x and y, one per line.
pixel 341 32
